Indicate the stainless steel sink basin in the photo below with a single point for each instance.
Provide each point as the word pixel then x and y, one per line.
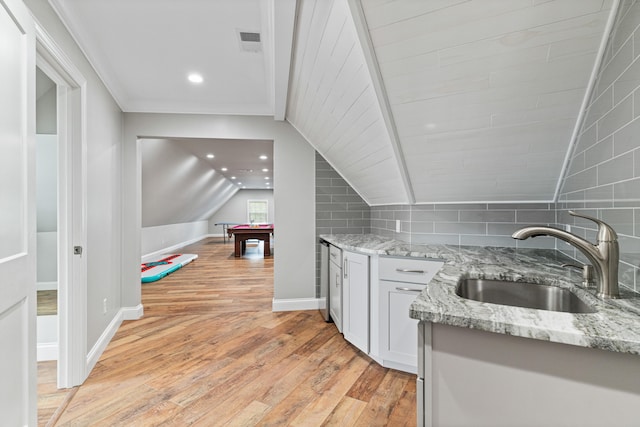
pixel 519 294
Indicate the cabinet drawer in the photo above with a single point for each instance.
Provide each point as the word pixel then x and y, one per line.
pixel 410 270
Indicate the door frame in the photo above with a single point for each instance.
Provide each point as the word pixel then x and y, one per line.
pixel 72 209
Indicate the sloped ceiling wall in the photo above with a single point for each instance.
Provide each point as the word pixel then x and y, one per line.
pixel 177 186
pixel 482 96
pixel 332 102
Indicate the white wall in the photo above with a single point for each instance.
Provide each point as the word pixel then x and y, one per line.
pixel 47 331
pixel 235 210
pixel 47 210
pixel 104 157
pixel 168 238
pixel 294 195
pixel 46 182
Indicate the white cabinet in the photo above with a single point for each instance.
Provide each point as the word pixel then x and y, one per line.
pixel 355 299
pixel 401 280
pixel 335 286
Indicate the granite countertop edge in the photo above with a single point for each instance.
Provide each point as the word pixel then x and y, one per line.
pixel 614 327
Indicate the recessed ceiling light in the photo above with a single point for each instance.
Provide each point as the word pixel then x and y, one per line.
pixel 265 170
pixel 224 169
pixel 266 177
pixel 210 156
pixel 195 78
pixel 239 183
pixel 233 177
pixel 263 157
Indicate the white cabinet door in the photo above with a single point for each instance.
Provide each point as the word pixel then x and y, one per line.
pixel 335 294
pixel 18 369
pixel 355 293
pixel 399 332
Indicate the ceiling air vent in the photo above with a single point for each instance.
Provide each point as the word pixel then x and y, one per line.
pixel 249 37
pixel 250 41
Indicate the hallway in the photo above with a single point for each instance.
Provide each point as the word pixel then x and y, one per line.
pixel 210 352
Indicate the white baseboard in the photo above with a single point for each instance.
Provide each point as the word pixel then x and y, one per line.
pixel 96 351
pixel 175 247
pixel 47 286
pixel 132 313
pixel 47 351
pixel 295 304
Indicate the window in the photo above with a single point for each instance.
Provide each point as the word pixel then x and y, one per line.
pixel 258 211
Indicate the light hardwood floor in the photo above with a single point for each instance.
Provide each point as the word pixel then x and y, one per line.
pixel 209 351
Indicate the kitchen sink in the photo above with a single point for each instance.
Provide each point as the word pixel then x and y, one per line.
pixel 521 294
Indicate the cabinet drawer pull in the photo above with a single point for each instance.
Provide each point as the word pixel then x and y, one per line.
pixel 408 289
pixel 408 270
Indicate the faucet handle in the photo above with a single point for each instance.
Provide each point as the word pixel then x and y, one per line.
pixel 605 232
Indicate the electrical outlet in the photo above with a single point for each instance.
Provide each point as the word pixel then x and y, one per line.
pixel 104 306
pixel 397 225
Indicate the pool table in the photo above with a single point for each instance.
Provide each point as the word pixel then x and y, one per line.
pixel 244 232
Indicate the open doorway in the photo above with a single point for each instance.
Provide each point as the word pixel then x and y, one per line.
pixel 61 187
pixel 190 185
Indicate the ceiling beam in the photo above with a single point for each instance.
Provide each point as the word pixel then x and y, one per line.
pixel 284 19
pixel 362 31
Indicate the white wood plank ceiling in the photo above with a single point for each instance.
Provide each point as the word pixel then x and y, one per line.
pixel 476 100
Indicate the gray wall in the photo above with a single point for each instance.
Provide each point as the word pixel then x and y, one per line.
pixel 235 210
pixel 177 186
pixel 46 111
pixel 103 205
pixel 604 174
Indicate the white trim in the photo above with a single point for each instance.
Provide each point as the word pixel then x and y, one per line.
pixel 101 344
pixel 174 247
pixel 132 313
pixel 582 113
pixel 47 351
pixel 283 22
pixel 47 286
pixel 295 304
pixel 72 211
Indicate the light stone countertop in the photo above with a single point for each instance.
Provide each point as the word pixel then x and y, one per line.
pixel 614 327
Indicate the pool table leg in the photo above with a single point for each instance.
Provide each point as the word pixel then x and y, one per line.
pixel 238 251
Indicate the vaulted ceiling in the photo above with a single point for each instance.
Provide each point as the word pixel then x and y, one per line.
pixel 411 101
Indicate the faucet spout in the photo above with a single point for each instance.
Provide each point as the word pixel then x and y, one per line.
pixel 603 256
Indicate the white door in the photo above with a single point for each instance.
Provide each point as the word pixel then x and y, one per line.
pixel 18 398
pixel 355 299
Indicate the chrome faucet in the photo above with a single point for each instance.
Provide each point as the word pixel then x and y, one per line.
pixel 604 255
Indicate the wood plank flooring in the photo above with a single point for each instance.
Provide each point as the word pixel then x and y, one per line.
pixel 210 352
